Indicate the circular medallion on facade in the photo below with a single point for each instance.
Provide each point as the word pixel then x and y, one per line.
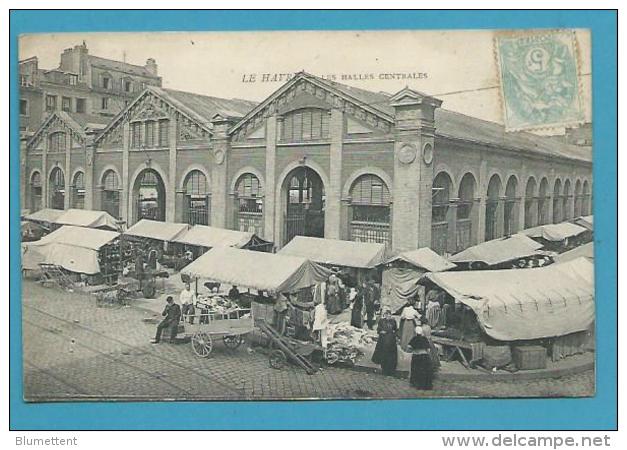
pixel 219 156
pixel 407 154
pixel 427 153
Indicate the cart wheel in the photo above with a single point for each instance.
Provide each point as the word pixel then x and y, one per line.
pixel 232 341
pixel 201 344
pixel 277 359
pixel 332 358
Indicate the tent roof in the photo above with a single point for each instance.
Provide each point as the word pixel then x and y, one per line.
pixel 522 304
pixel 585 221
pixel 90 238
pixel 45 215
pixel 205 236
pixel 363 255
pixel 554 232
pixel 161 231
pixel 262 271
pixel 87 218
pixel 585 250
pixel 424 258
pixel 499 250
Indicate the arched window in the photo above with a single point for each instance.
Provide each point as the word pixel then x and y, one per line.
pixel 111 193
pixel 78 191
pixel 578 198
pixel 35 191
pixel 370 210
pixel 585 208
pixel 566 212
pixel 58 142
pixel 308 124
pixel 491 209
pixel 57 189
pixel 557 201
pixel 197 205
pixel 441 195
pixel 464 211
pixel 249 211
pixel 510 225
pixel 543 202
pixel 530 192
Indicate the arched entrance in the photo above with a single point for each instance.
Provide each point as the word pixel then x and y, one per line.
pixel 303 191
pixel 57 189
pixel 149 196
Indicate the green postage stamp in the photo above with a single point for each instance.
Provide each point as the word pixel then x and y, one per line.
pixel 539 77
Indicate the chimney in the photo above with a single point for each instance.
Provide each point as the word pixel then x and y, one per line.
pixel 151 66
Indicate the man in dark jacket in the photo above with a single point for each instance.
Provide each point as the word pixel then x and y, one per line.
pixel 172 315
pixel 369 303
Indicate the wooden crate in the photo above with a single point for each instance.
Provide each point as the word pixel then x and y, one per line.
pixel 529 357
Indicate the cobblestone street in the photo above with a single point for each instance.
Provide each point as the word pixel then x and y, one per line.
pixel 111 358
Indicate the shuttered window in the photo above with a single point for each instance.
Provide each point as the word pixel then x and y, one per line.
pixel 370 190
pixel 305 125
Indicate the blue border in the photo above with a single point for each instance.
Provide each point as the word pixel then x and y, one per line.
pixel 595 413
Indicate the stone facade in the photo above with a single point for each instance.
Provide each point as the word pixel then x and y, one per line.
pixel 323 159
pixel 82 84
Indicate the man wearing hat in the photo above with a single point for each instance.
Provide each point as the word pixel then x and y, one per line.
pixel 172 315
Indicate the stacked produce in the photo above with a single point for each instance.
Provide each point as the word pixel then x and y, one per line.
pixel 347 343
pixel 216 304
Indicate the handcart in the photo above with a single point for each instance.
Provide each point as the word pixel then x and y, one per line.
pixel 297 351
pixel 207 326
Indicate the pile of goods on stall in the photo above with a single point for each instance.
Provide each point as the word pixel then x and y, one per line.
pixel 216 303
pixel 347 343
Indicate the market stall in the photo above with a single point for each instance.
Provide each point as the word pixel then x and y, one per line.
pixel 87 218
pixel 402 273
pixel 548 309
pixel 31 231
pixel 46 217
pixel 78 250
pixel 558 237
pixel 516 251
pixel 585 250
pixel 585 221
pixel 200 238
pixel 268 272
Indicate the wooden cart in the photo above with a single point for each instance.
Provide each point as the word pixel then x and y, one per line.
pixel 208 326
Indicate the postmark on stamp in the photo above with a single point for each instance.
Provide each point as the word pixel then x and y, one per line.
pixel 538 74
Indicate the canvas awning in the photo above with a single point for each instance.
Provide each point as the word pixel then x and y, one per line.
pixel 361 255
pixel 87 218
pixel 45 215
pixel 586 221
pixel 499 251
pixel 206 236
pixel 261 271
pixel 585 250
pixel 160 231
pixel 425 259
pixel 526 303
pixel 73 248
pixel 555 232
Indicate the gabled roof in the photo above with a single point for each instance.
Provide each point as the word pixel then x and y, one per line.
pixel 448 124
pixel 45 215
pixel 87 218
pixel 80 124
pixel 206 236
pixel 111 64
pixel 555 232
pixel 198 108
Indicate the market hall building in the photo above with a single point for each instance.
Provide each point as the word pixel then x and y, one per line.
pixel 316 158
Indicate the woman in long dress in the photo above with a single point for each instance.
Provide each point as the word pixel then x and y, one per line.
pixel 421 375
pixel 357 312
pixel 386 352
pixel 410 318
pixel 333 295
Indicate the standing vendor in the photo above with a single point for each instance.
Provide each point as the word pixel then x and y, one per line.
pixel 319 327
pixel 280 310
pixel 188 300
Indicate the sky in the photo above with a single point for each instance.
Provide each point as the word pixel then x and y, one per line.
pixel 456 66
